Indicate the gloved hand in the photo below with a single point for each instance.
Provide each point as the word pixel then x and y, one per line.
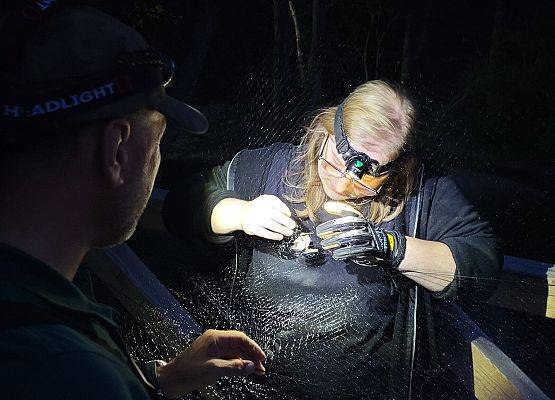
pixel 356 239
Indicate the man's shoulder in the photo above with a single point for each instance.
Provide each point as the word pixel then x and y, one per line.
pixel 44 339
pixel 53 353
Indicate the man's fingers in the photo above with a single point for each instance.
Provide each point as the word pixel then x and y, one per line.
pixel 235 344
pixel 235 367
pixel 259 368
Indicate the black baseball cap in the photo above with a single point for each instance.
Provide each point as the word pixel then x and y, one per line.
pixel 79 64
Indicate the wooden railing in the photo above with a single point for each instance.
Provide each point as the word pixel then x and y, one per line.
pixel 527 286
pixel 482 367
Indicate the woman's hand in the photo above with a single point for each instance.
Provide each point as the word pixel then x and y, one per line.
pixel 266 216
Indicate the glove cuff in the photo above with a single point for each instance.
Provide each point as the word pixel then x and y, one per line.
pixel 397 245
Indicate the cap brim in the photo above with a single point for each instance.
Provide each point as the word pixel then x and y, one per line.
pixel 187 118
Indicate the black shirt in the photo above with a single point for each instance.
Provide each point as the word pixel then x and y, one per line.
pixel 329 324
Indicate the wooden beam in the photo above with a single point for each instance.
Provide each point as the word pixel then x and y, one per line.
pixel 527 286
pixel 138 289
pixel 482 367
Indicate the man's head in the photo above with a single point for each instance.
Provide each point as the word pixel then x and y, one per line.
pixel 81 123
pixel 126 163
pixel 81 65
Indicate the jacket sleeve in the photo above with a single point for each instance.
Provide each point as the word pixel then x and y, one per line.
pixel 187 209
pixel 476 250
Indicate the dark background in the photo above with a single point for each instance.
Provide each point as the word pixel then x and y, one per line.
pixel 481 72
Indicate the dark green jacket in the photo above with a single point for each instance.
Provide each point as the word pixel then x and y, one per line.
pixel 55 361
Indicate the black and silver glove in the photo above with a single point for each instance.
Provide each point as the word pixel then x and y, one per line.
pixel 356 239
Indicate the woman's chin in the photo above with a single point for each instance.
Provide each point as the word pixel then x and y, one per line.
pixel 333 195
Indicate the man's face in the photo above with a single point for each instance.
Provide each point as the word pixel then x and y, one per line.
pixel 142 167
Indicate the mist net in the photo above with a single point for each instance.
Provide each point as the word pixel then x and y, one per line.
pixel 329 331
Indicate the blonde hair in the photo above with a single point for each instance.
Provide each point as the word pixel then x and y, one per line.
pixel 375 113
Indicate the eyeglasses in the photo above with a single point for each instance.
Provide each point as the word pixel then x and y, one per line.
pixel 367 183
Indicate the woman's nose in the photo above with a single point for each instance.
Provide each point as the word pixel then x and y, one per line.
pixel 343 185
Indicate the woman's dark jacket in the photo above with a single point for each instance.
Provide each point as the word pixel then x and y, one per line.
pixel 334 329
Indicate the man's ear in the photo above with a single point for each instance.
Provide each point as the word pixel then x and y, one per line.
pixel 114 150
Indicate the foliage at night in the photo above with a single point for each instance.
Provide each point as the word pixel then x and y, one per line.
pixel 481 71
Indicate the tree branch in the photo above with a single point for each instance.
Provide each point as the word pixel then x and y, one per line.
pixel 300 55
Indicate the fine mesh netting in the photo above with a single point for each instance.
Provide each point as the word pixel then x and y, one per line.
pixel 324 344
pixel 297 332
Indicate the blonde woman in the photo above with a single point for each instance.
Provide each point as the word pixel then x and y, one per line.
pixel 334 298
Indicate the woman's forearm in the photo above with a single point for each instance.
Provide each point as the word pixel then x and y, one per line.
pixel 226 216
pixel 430 264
